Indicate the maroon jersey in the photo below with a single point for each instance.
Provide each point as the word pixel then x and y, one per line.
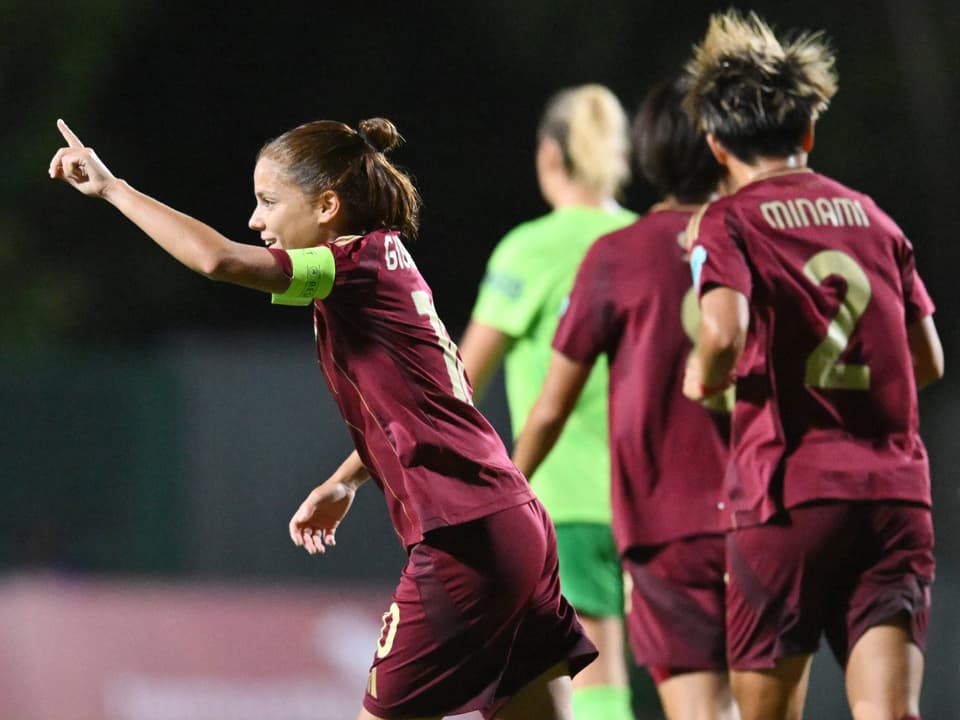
pixel 667 452
pixel 826 397
pixel 397 377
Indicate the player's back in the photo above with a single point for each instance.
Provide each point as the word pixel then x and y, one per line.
pixel 826 376
pixel 633 301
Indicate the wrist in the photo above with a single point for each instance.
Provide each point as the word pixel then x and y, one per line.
pixel 707 391
pixel 111 188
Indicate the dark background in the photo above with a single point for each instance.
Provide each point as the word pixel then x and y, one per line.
pixel 178 97
pixel 154 423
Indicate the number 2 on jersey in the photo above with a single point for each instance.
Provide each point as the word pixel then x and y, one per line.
pixel 458 377
pixel 823 367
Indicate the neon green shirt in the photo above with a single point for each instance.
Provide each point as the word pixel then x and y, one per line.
pixel 523 294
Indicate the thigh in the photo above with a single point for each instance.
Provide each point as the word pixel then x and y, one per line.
pixel 549 633
pixel 590 573
pixel 675 620
pixel 784 577
pixel 892 565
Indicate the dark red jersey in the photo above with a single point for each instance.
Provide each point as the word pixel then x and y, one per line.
pixel 826 397
pixel 633 301
pixel 397 377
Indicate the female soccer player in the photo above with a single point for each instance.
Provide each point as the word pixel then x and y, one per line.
pixel 632 302
pixel 582 163
pixel 477 621
pixel 810 296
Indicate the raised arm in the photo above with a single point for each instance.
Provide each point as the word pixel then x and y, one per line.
pixel 558 396
pixel 194 244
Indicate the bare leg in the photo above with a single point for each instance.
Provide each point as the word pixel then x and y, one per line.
pixel 776 694
pixel 698 696
pixel 884 674
pixel 548 697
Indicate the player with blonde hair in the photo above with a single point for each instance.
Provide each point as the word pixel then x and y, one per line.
pixel 582 163
pixel 811 300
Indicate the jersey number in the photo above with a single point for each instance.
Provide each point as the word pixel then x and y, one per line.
pixel 458 376
pixel 823 368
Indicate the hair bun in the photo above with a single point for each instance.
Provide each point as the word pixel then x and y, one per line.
pixel 380 134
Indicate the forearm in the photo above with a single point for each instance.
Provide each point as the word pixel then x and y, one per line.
pixel 717 362
pixel 195 244
pixel 536 440
pixel 545 421
pixel 926 351
pixel 723 330
pixel 352 473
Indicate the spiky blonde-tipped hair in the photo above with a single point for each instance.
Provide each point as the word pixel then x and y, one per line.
pixel 591 127
pixel 754 93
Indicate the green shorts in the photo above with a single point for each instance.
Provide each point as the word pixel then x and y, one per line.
pixel 590 573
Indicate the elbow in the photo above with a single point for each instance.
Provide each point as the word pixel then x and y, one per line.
pixel 929 372
pixel 722 342
pixel 216 266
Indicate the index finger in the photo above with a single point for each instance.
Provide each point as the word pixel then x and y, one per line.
pixel 68 135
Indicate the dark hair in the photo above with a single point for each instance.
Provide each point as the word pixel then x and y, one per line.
pixel 671 153
pixel 756 96
pixel 329 155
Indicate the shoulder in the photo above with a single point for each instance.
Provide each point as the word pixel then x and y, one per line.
pixel 708 219
pixel 528 232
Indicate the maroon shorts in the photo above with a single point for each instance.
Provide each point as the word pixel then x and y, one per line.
pixel 675 619
pixel 837 568
pixel 478 615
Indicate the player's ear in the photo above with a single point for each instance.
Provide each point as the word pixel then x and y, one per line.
pixel 807 142
pixel 326 206
pixel 549 155
pixel 720 153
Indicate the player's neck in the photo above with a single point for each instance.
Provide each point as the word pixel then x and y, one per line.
pixel 742 173
pixel 672 202
pixel 571 193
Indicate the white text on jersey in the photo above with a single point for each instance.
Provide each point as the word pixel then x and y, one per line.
pixel 395 254
pixel 804 212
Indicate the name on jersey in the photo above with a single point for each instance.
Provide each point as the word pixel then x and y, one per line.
pixel 395 255
pixel 806 212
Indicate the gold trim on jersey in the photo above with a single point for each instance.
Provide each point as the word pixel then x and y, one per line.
pixel 692 232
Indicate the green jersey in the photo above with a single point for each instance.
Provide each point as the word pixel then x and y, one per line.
pixel 523 294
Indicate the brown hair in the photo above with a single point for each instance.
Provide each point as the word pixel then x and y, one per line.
pixel 329 155
pixel 754 94
pixel 672 155
pixel 590 126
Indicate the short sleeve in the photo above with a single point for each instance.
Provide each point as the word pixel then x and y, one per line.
pixel 715 256
pixel 917 302
pixel 513 288
pixel 590 311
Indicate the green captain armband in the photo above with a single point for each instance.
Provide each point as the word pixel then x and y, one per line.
pixel 313 272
